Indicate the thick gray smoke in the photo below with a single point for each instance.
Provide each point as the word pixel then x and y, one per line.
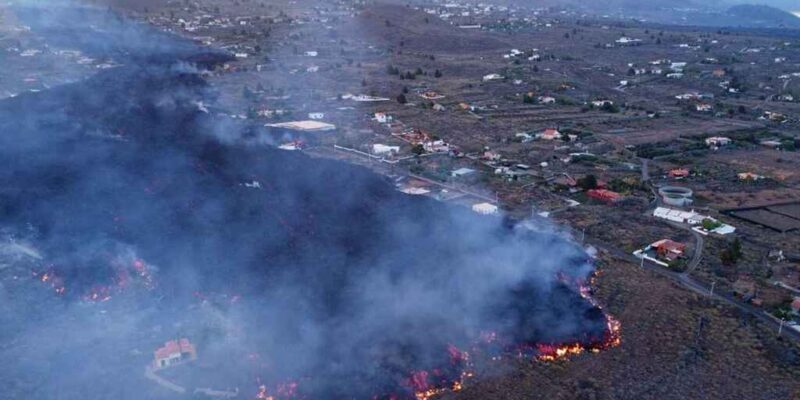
pixel 127 224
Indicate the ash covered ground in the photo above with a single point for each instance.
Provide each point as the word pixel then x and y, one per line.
pixel 132 215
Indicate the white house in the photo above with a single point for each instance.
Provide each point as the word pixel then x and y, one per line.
pixel 485 208
pixel 384 149
pixel 717 141
pixel 704 107
pixel 547 100
pixel 492 77
pixel 601 103
pixel 684 217
pixel 626 40
pixel 316 115
pixel 694 219
pixel 462 172
pixel 383 118
pixel 677 66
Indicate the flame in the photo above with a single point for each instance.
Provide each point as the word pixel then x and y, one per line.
pixel 53 280
pixel 262 393
pixel 98 294
pixel 283 390
pixel 427 385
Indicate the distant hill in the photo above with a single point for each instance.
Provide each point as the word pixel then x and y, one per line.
pixel 764 15
pixel 716 13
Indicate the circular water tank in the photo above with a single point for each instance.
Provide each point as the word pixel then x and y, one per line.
pixel 676 195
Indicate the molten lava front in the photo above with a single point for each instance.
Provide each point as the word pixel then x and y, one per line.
pixel 453 376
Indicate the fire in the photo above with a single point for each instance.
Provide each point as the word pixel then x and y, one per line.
pixel 128 273
pixel 98 294
pixel 262 393
pixel 53 280
pixel 427 385
pixel 551 353
pixel 283 390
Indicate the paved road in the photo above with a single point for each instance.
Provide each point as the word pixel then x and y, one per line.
pixel 699 243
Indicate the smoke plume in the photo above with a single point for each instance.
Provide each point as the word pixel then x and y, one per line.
pixel 127 222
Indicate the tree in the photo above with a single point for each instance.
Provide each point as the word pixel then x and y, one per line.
pixel 732 254
pixel 528 98
pixel 437 74
pixel 610 107
pixel 588 182
pixel 402 99
pixel 418 149
pixel 709 224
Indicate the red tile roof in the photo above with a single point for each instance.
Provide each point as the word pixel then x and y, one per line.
pixel 603 194
pixel 179 346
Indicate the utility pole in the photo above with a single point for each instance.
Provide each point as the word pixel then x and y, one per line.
pixel 711 292
pixel 641 261
pixel 583 235
pixel 780 327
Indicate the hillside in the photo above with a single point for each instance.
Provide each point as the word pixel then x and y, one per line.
pixel 762 15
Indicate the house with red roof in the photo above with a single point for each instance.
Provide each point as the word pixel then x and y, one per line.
pixel 796 306
pixel 604 195
pixel 669 249
pixel 174 352
pixel 679 173
pixel 550 134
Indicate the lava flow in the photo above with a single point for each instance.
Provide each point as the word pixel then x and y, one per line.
pixel 453 376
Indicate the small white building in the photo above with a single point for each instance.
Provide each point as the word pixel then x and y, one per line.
pixel 717 141
pixel 461 172
pixel 383 118
pixel 547 100
pixel 627 41
pixel 492 77
pixel 704 107
pixel 316 116
pixel 601 103
pixel 485 208
pixel 381 149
